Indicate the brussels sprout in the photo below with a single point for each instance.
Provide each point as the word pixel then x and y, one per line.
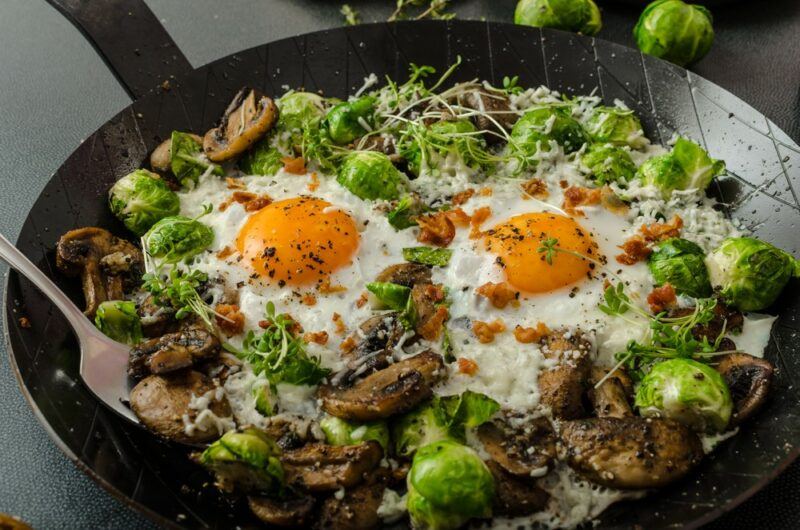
pixel 750 273
pixel 435 257
pixel 448 484
pixel 177 238
pixel 262 159
pixel 681 263
pixel 609 164
pixel 539 126
pixel 141 199
pixel 119 320
pixel 662 172
pixel 187 159
pixel 408 208
pixel 390 295
pixel 687 166
pixel 616 126
pixel 264 399
pixel 299 110
pixel 247 460
pixel 687 391
pixel 340 432
pixel 370 175
pixel 345 122
pixel 581 16
pixel 673 30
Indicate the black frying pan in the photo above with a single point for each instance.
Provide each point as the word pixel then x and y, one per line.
pixel 156 478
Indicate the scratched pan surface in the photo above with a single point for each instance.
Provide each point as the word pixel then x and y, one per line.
pixel 157 479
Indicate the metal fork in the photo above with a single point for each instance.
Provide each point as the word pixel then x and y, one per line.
pixel 104 362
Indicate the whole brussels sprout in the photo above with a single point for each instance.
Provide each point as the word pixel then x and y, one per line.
pixel 177 238
pixel 344 121
pixel 580 16
pixel 262 159
pixel 674 30
pixel 187 159
pixel 118 320
pixel 448 484
pixel 371 175
pixel 750 273
pixel 299 110
pixel 540 125
pixel 340 432
pixel 616 126
pixel 608 164
pixel 248 461
pixel 687 391
pixel 662 172
pixel 681 263
pixel 141 199
pixel 687 166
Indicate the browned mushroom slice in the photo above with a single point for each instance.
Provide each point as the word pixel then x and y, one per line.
pixel 357 509
pixel 161 157
pixel 610 399
pixel 172 352
pixel 376 340
pixel 514 496
pixel 406 274
pixel 320 467
pixel 246 120
pixel 630 453
pixel 289 432
pixel 524 451
pixel 291 512
pixel 162 402
pixel 562 387
pixel 431 312
pixel 107 265
pixel 382 144
pixel 749 379
pixel 494 104
pixel 393 390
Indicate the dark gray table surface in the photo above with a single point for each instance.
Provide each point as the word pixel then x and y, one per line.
pixel 54 91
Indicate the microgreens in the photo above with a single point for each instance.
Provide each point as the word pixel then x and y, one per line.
pixel 178 291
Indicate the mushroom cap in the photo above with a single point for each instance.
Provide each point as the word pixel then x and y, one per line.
pixel 247 119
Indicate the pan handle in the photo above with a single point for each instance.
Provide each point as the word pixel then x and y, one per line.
pixel 130 39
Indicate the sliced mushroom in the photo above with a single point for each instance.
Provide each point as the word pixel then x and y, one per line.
pixel 524 451
pixel 161 157
pixel 162 402
pixel 357 509
pixel 562 387
pixel 382 144
pixel 749 379
pixel 247 119
pixel 107 265
pixel 630 453
pixel 393 390
pixel 406 274
pixel 290 512
pixel 610 399
pixel 494 104
pixel 430 311
pixel 514 496
pixel 319 467
pixel 172 352
pixel 156 320
pixel 376 340
pixel 290 432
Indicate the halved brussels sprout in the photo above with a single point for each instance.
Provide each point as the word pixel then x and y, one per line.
pixel 404 214
pixel 187 159
pixel 687 166
pixel 690 392
pixel 434 257
pixel 371 175
pixel 341 432
pixel 419 428
pixel 750 273
pixel 580 16
pixel 265 401
pixel 299 110
pixel 390 295
pixel 141 199
pixel 346 121
pixel 177 238
pixel 248 461
pixel 681 263
pixel 537 127
pixel 616 126
pixel 262 159
pixel 608 164
pixel 674 30
pixel 118 320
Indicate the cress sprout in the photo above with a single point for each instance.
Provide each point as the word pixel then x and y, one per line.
pixel 750 273
pixel 537 127
pixel 687 391
pixel 580 16
pixel 616 126
pixel 674 30
pixel 118 320
pixel 177 238
pixel 248 461
pixel 340 432
pixel 188 161
pixel 371 175
pixel 608 163
pixel 140 199
pixel 680 263
pixel 687 166
pixel 443 137
pixel 350 120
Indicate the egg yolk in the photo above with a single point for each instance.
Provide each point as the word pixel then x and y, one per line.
pixel 519 245
pixel 298 241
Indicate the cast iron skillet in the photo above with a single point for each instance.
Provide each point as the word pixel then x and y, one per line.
pixel 157 479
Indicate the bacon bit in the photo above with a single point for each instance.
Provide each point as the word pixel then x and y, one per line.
pixel 362 300
pixel 348 345
pixel 563 183
pixel 485 192
pixel 258 203
pixel 535 188
pixel 225 252
pixel 229 319
pixel 462 196
pixel 314 184
pixel 611 201
pixel 339 323
pixel 478 217
pixel 434 293
pixel 467 366
pixel 635 249
pixel 661 231
pixel 325 287
pixel 431 329
pixel 320 337
pixel 486 331
pixel 662 298
pixel 234 184
pixel 576 196
pixel 436 229
pixel 497 326
pixel 250 201
pixel 499 294
pixel 309 299
pixel 24 322
pixel 264 324
pixel 529 335
pixel 459 217
pixel 295 166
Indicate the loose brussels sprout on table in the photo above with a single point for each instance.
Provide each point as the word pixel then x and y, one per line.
pixel 615 126
pixel 187 160
pixel 687 166
pixel 537 127
pixel 248 461
pixel 750 273
pixel 119 320
pixel 141 199
pixel 687 391
pixel 177 238
pixel 608 163
pixel 580 16
pixel 674 30
pixel 371 175
pixel 448 484
pixel 681 263
pixel 345 121
pixel 262 159
pixel 341 432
